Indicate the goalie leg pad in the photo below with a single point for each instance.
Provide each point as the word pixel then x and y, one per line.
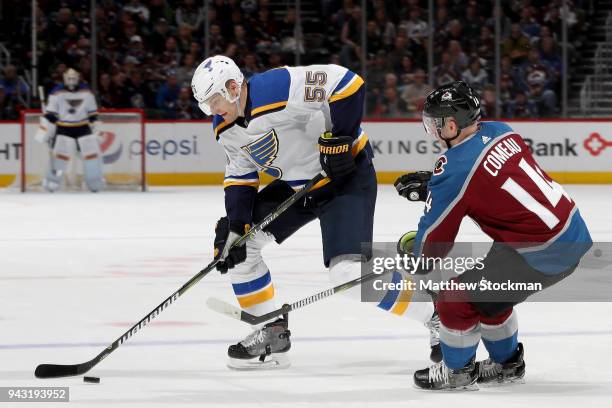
pixel 92 162
pixel 63 150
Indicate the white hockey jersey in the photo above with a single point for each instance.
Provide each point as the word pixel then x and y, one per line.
pixel 69 109
pixel 287 110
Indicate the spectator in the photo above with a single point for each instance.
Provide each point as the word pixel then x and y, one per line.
pixel 535 64
pixel 529 26
pixel 244 45
pixel 414 94
pixel 57 27
pixel 392 105
pixel 184 38
pixel 159 9
pixel 458 58
pixel 7 108
pixel 217 42
pixel 416 28
pixel 190 14
pixel 399 51
pixel 552 20
pixel 286 33
pixel 406 69
pixel 385 27
pixel 186 107
pixel 138 11
pixel 516 45
pixel 378 70
pixel 521 107
pixel 544 99
pixel 489 102
pixel 167 95
pixel 121 97
pixel 136 50
pixel 507 91
pixel 266 25
pixel 472 22
pixel 171 55
pixel 549 55
pixel 373 38
pixel 475 75
pixel 137 90
pixel 161 31
pixel 350 54
pixel 251 65
pixel 445 73
pixel 441 20
pixel 506 68
pixel 13 88
pixel 184 73
pixel 486 44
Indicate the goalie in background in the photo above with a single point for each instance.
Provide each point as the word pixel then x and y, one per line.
pixel 69 124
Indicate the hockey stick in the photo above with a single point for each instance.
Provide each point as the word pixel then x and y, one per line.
pixel 234 312
pixel 66 370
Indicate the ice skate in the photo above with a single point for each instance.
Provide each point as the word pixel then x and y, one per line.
pixel 439 377
pixel 492 374
pixel 263 349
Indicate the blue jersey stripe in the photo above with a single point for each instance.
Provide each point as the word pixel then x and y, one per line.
pixel 345 80
pixel 268 88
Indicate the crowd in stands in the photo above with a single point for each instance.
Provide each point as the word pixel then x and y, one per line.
pixel 148 49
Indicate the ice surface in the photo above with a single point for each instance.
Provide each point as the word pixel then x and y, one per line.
pixel 77 270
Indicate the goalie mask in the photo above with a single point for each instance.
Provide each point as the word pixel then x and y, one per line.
pixel 210 79
pixel 71 79
pixel 456 100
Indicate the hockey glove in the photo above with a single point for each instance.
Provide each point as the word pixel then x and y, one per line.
pixel 336 158
pixel 413 186
pixel 226 233
pixel 45 131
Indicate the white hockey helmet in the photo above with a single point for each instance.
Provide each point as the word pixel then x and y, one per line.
pixel 210 78
pixel 71 78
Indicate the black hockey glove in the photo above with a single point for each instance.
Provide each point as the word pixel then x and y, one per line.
pixel 226 233
pixel 413 186
pixel 336 158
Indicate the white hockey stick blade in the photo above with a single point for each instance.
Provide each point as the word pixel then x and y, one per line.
pixel 222 307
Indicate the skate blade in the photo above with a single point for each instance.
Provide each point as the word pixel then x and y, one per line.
pixel 273 362
pixel 469 387
pixel 497 384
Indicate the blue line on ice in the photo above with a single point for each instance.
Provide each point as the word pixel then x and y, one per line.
pixel 298 339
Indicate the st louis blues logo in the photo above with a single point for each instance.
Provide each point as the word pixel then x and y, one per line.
pixel 263 152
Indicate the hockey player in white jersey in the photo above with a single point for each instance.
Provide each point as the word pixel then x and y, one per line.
pixel 70 121
pixel 291 123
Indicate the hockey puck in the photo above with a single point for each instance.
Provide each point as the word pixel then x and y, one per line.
pixel 94 380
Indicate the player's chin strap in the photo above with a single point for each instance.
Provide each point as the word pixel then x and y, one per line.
pixel 448 141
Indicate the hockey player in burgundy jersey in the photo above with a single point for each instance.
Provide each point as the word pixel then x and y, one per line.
pixel 489 175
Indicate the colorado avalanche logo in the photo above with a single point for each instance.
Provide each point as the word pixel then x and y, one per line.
pixel 447 96
pixel 111 151
pixel 263 152
pixel 439 167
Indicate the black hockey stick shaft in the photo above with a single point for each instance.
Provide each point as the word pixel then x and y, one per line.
pixel 66 370
pixel 286 308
